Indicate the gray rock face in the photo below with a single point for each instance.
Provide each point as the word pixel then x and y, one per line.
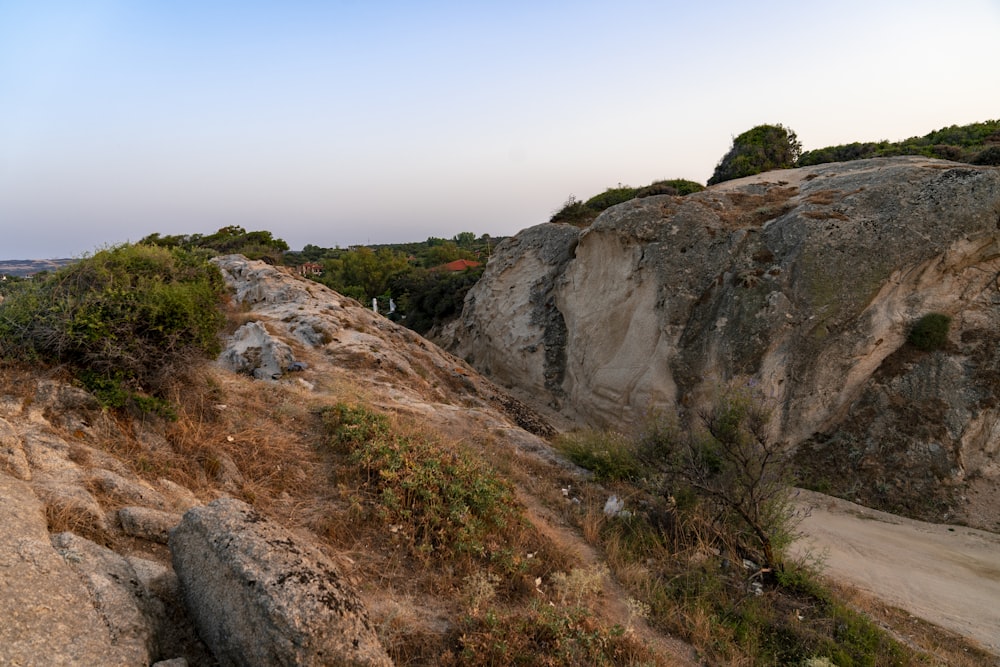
pixel 131 615
pixel 531 354
pixel 331 330
pixel 261 596
pixel 253 351
pixel 806 280
pixel 49 617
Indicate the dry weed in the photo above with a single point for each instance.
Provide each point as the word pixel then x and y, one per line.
pixel 824 197
pixel 580 584
pixel 62 516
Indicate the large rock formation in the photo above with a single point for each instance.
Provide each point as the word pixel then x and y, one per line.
pixel 806 280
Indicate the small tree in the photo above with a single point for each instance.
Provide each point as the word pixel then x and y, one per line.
pixel 741 475
pixel 757 150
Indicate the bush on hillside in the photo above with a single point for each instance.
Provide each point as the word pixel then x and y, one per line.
pixel 574 212
pixel 124 319
pixel 988 157
pixel 757 150
pixel 582 213
pixel 226 241
pixel 610 197
pixel 676 187
pixel 930 332
pixel 734 469
pixel 975 143
pixel 446 500
pixel 610 456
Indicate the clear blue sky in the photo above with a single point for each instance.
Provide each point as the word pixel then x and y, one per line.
pixel 347 122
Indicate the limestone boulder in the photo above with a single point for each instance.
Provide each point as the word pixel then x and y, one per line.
pixel 260 595
pixel 147 523
pixel 49 615
pixel 251 350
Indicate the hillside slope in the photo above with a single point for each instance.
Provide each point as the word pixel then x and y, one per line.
pixel 90 499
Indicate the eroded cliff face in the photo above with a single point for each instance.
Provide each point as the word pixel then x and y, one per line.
pixel 805 280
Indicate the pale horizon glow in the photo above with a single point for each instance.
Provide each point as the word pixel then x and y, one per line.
pixel 345 122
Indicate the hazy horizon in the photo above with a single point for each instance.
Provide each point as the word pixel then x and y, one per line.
pixel 338 123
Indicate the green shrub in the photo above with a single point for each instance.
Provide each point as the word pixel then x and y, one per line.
pixel 734 468
pixel 227 241
pixel 610 197
pixel 757 150
pixel 582 213
pixel 445 499
pixel 609 455
pixel 973 143
pixel 989 156
pixel 124 320
pixel 574 212
pixel 930 332
pixel 677 187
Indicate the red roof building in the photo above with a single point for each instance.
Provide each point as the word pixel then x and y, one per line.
pixel 457 265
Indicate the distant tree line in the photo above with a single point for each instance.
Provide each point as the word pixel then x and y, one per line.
pixel 227 241
pixel 978 143
pixel 405 273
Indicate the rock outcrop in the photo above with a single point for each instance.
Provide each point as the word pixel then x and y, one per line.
pixel 323 328
pixel 48 616
pixel 805 280
pixel 261 596
pixel 86 573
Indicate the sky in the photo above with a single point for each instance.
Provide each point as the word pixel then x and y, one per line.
pixel 366 121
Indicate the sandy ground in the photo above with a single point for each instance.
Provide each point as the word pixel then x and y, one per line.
pixel 948 575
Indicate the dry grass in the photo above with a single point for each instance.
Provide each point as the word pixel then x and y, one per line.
pixel 62 515
pixel 750 210
pixel 824 197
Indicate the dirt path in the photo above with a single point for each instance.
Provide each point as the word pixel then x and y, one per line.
pixel 948 575
pixel 613 604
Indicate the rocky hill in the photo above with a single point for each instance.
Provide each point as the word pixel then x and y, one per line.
pixel 238 533
pixel 807 282
pixel 225 537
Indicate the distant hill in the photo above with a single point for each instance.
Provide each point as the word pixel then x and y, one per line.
pixel 27 267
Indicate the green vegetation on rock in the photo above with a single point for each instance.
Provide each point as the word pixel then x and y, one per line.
pixel 445 500
pixel 227 241
pixel 124 320
pixel 700 541
pixel 930 332
pixel 976 143
pixel 582 213
pixel 757 150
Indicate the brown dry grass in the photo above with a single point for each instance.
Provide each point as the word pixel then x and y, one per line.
pixel 751 210
pixel 62 515
pixel 824 197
